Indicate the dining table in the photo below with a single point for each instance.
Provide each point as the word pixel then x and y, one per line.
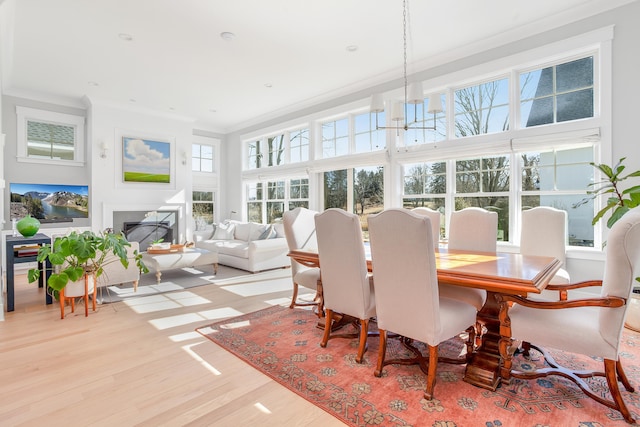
pixel 496 272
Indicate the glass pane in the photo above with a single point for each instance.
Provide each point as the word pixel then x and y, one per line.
pixel 574 177
pixel 202 196
pixel 574 75
pixel 195 150
pixel 575 105
pixel 203 212
pixel 537 112
pixel 50 140
pixel 335 189
pixel 435 203
pixel 274 211
pixel 254 212
pixel 298 203
pixel 206 165
pixel 207 152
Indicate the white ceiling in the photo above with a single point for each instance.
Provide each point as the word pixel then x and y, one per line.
pixel 177 62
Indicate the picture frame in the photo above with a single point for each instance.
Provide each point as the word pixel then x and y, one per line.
pixel 146 160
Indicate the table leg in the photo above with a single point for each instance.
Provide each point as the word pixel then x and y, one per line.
pixel 215 268
pixel 158 275
pixel 484 368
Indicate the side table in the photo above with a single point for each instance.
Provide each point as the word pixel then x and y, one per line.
pixel 13 258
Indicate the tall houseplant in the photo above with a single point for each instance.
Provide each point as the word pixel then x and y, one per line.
pixel 78 254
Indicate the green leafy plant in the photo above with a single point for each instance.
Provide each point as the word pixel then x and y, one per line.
pixel 620 201
pixel 76 254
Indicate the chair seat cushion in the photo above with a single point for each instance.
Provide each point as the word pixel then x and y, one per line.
pixel 540 327
pixel 308 277
pixel 475 297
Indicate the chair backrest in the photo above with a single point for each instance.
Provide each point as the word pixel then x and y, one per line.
pixel 473 229
pixel 404 272
pixel 622 266
pixel 434 217
pixel 544 232
pixel 300 232
pixel 343 266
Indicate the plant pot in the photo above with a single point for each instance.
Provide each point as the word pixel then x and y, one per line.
pixel 76 289
pixel 633 313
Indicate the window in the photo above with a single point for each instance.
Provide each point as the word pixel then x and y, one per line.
pixel 49 137
pixel 203 208
pixel 559 179
pixel 335 138
pixel 367 137
pixel 484 183
pixel 202 158
pixel 299 146
pixel 557 94
pixel 482 109
pixel 266 207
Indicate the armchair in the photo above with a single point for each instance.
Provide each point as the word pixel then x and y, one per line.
pixel 590 326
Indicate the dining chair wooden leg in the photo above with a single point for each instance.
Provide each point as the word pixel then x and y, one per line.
pixel 294 297
pixel 364 333
pixel 612 374
pixel 431 375
pixel 327 327
pixel 382 351
pixel 61 300
pixel 623 377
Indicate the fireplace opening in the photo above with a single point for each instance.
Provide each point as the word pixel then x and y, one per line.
pixel 146 233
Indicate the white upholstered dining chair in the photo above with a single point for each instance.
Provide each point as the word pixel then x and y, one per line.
pixel 434 217
pixel 471 229
pixel 589 326
pixel 346 283
pixel 300 232
pixel 408 302
pixel 544 233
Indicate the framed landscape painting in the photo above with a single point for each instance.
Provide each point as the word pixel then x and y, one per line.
pixel 146 160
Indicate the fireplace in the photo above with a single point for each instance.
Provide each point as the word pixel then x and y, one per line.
pixel 145 227
pixel 148 232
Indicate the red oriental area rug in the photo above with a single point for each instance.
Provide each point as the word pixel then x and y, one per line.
pixel 284 344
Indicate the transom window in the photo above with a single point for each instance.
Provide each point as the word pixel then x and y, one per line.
pixel 299 145
pixel 367 137
pixel 482 109
pixel 555 94
pixel 335 138
pixel 49 137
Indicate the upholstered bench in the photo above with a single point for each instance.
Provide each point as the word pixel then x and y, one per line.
pixel 188 257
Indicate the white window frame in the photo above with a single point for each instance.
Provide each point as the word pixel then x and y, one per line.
pixel 25 114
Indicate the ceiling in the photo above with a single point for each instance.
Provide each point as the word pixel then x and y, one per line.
pixel 169 56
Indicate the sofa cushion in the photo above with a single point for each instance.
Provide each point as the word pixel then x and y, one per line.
pixel 236 248
pixel 243 231
pixel 224 231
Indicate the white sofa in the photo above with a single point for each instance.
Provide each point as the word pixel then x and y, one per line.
pixel 246 245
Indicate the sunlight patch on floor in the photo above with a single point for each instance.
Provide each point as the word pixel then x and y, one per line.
pixel 173 321
pixel 167 301
pixel 199 359
pixel 260 287
pixel 185 337
pixel 220 313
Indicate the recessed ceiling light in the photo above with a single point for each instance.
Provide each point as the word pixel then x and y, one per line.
pixel 227 36
pixel 126 37
pixel 92 83
pixel 269 85
pixel 352 48
pixel 132 100
pixel 213 110
pixel 171 108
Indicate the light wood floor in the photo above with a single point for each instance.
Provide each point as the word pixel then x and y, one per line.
pixel 143 365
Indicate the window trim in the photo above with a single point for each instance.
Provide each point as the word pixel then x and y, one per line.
pixel 25 114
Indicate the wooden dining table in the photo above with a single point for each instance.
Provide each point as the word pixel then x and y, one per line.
pixel 497 273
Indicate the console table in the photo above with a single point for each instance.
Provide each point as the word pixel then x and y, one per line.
pixel 13 242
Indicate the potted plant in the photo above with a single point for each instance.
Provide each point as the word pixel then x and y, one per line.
pixel 76 255
pixel 619 203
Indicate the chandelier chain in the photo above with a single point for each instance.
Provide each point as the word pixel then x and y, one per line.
pixel 404 39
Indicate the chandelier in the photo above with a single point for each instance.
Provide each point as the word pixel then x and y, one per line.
pixel 413 94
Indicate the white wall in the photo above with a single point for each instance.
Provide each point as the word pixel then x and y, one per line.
pixel 107 125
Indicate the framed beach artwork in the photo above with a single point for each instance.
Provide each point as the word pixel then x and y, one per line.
pixel 146 160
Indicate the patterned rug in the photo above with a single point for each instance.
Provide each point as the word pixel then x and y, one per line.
pixel 283 343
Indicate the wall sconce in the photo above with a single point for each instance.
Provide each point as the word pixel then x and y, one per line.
pixel 184 157
pixel 103 150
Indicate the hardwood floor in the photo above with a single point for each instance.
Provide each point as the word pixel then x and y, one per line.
pixel 142 364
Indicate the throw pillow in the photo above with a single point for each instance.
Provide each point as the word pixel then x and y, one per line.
pixel 257 230
pixel 243 231
pixel 268 233
pixel 224 231
pixel 279 228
